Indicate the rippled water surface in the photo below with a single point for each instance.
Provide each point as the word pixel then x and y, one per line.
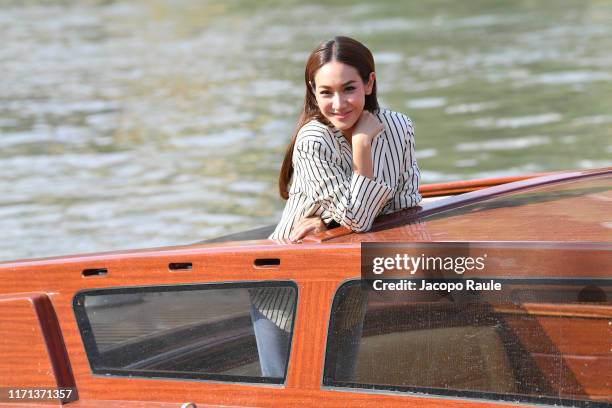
pixel 140 123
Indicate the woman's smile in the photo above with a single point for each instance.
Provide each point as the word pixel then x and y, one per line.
pixel 343 115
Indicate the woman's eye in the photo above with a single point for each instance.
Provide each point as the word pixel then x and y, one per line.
pixel 325 93
pixel 349 88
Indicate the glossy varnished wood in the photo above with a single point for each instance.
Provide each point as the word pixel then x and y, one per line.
pixel 25 360
pixel 317 282
pixel 32 348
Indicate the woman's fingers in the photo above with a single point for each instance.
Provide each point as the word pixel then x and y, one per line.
pixel 368 125
pixel 302 229
pixel 306 226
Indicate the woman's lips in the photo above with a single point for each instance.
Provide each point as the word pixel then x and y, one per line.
pixel 342 115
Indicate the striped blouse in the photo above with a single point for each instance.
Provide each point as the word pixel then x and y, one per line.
pixel 325 185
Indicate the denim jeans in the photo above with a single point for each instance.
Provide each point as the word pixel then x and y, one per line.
pixel 273 348
pixel 272 345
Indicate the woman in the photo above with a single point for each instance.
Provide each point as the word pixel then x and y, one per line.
pixel 349 160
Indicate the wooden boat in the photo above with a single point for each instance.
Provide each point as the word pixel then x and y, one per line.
pixel 170 327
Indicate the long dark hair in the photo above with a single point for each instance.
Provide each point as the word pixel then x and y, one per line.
pixel 341 49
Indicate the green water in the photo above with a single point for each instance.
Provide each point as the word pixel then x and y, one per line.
pixel 142 123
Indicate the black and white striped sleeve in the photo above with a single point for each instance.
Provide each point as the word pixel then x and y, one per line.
pixel 353 201
pixel 407 194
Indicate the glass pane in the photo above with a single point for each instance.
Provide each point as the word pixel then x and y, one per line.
pixel 577 210
pixel 588 191
pixel 536 340
pixel 216 331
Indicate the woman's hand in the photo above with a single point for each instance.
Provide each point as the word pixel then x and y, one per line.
pixel 307 226
pixel 366 130
pixel 368 127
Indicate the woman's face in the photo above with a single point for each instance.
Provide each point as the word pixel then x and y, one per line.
pixel 340 94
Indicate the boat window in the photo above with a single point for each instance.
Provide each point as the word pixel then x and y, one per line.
pixel 595 189
pixel 238 332
pixel 543 341
pixel 575 210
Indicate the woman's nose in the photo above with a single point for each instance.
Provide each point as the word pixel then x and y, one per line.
pixel 337 102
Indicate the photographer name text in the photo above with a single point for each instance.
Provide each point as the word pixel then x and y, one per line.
pixel 444 286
